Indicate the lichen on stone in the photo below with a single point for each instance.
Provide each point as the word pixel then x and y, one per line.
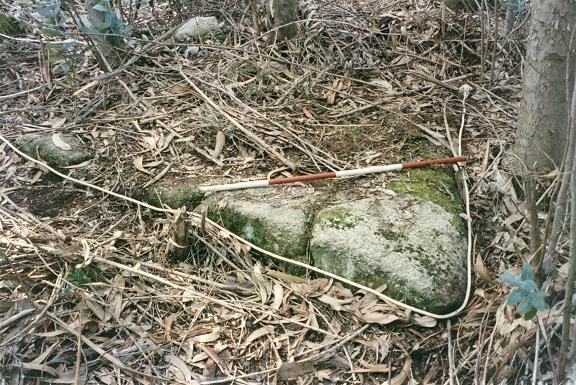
pixel 43 146
pixel 338 217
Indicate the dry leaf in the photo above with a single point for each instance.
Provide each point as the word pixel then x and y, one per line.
pixel 294 369
pixel 79 165
pixel 137 162
pixel 481 270
pixel 404 374
pixel 423 320
pixel 504 185
pixel 308 113
pixel 382 84
pixel 179 368
pixel 371 368
pixel 150 142
pixel 97 310
pixel 189 295
pixel 60 143
pixel 54 122
pixel 219 146
pixel 278 292
pixel 256 334
pixel 379 318
pixel 204 338
pixel 401 60
pixel 261 282
pixel 153 164
pixel 29 366
pixel 168 321
pixel 179 89
pixel 335 303
pixel 199 357
pixel 331 94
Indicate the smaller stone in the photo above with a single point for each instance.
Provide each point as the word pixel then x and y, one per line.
pixel 43 147
pixel 174 196
pixel 198 28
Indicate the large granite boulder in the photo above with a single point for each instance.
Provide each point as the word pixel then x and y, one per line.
pixel 414 247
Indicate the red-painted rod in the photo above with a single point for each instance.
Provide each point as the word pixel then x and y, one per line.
pixel 424 163
pixel 302 178
pixel 329 175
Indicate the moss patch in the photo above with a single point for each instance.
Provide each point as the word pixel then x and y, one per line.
pixel 433 184
pixel 174 197
pixel 258 231
pixel 337 217
pixel 398 288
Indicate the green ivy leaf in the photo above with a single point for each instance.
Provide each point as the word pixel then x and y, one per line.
pixel 524 306
pixel 514 297
pixel 538 301
pixel 50 32
pixel 527 273
pixel 510 279
pixel 65 67
pixel 49 11
pixel 100 7
pixel 56 59
pixel 529 285
pixel 525 292
pixel 530 314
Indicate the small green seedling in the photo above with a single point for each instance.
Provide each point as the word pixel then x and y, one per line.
pixel 84 276
pixel 525 292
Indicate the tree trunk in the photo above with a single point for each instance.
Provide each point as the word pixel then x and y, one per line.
pixel 542 125
pixel 285 13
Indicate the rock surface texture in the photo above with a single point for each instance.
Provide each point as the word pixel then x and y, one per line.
pixel 414 247
pixel 198 28
pixel 278 223
pixel 403 232
pixel 65 151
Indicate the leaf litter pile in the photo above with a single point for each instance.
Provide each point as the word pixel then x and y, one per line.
pixel 89 292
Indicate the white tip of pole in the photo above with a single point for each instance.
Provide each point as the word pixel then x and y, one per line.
pixel 234 186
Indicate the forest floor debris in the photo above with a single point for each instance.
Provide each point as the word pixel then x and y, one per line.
pixel 86 291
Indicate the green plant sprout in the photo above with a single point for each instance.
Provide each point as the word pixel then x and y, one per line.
pixel 84 276
pixel 110 25
pixel 525 292
pixel 63 54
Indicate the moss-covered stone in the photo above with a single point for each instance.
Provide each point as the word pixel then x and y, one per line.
pixel 413 242
pixel 200 28
pixel 277 222
pixel 44 147
pixel 338 217
pixel 411 246
pixel 432 184
pixel 173 196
